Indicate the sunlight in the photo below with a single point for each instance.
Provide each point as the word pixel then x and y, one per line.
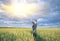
pixel 21 9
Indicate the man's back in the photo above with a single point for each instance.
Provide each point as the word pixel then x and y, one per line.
pixel 34 24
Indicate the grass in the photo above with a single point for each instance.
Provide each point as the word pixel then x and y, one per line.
pixel 25 34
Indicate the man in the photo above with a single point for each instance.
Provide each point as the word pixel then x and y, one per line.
pixel 34 27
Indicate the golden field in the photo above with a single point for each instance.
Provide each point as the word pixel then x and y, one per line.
pixel 25 34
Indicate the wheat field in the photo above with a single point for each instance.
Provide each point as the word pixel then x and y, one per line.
pixel 25 34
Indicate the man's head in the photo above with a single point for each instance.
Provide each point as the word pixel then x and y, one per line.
pixel 35 21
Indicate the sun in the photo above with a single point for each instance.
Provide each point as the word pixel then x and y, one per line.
pixel 21 9
pixel 24 9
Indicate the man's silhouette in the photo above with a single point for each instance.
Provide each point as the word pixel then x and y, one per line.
pixel 34 27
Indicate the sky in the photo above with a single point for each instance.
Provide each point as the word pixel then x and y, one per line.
pixel 21 13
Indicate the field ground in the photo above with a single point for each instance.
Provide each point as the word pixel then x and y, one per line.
pixel 25 34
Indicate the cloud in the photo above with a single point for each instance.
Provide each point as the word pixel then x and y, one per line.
pixel 47 16
pixel 41 11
